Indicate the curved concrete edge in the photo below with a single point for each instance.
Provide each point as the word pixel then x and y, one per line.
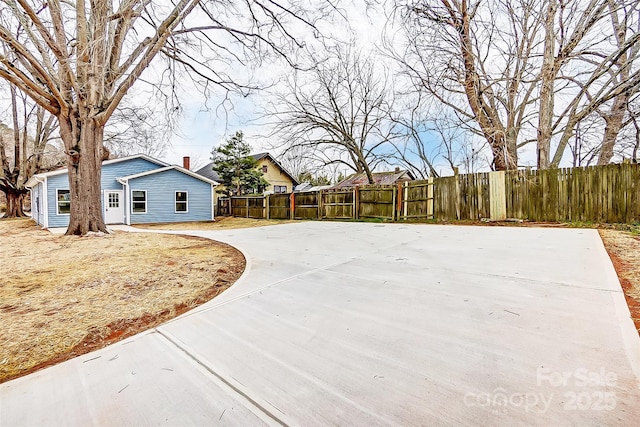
pixel 215 301
pixel 625 321
pixel 221 297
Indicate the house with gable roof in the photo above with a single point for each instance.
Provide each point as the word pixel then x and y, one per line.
pixel 279 179
pixel 135 190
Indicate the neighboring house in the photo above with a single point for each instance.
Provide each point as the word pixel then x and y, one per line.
pixel 279 179
pixel 136 189
pixel 379 178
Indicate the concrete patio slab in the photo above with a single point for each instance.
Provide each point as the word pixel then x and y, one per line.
pixel 371 324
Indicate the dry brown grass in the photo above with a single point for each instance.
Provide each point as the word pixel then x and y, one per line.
pixel 61 296
pixel 221 223
pixel 624 249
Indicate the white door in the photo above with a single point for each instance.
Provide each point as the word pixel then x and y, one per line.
pixel 113 207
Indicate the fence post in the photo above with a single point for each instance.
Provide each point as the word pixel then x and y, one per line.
pixel 356 202
pixel 430 198
pixel 400 201
pixel 405 198
pixel 320 206
pixel 292 205
pixel 457 178
pixel 247 207
pixel 394 198
pixel 266 206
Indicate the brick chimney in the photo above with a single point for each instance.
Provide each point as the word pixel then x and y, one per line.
pixel 186 162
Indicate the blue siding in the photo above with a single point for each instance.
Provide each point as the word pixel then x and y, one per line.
pixel 125 168
pixel 56 182
pixel 161 188
pixel 108 181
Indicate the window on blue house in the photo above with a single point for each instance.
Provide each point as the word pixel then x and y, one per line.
pixel 181 201
pixel 139 201
pixel 63 198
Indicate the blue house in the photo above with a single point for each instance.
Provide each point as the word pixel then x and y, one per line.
pixel 135 190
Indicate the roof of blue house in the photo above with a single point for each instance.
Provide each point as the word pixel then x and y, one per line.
pixel 34 179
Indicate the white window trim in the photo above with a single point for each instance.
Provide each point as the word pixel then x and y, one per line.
pixel 175 202
pixel 146 201
pixel 58 205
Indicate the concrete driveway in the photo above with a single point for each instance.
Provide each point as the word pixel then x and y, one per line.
pixel 371 324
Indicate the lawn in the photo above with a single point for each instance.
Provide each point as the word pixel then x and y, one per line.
pixel 62 296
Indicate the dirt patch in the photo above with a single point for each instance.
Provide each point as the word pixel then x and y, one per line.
pixel 221 223
pixel 62 296
pixel 624 251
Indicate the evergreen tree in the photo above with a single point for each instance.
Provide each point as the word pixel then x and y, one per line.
pixel 236 168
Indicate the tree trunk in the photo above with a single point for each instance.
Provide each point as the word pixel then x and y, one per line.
pixel 511 142
pixel 369 174
pixel 636 146
pixel 505 155
pixel 82 137
pixel 14 204
pixel 547 78
pixel 485 114
pixel 499 158
pixel 612 129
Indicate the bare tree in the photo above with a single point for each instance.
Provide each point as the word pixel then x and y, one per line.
pixel 412 129
pixel 426 138
pixel 79 59
pixel 337 112
pixel 137 130
pixel 625 29
pixel 25 149
pixel 299 161
pixel 636 138
pixel 591 74
pixel 573 26
pixel 527 70
pixel 476 59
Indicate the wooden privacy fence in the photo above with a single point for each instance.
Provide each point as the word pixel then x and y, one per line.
pixel 391 202
pixel 337 204
pixel 598 193
pixel 248 207
pixel 608 193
